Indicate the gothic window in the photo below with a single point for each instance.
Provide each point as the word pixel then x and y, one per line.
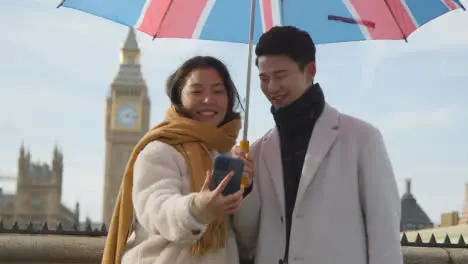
pixel 36 202
pixel 31 170
pixel 45 171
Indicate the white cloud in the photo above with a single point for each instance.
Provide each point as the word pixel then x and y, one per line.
pixel 373 56
pixel 400 122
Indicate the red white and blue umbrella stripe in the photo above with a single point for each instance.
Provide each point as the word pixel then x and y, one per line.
pixel 228 20
pixel 218 20
pixel 372 19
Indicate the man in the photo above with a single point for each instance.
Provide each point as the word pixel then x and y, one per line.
pixel 324 191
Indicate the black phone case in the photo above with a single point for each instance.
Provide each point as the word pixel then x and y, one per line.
pixel 222 166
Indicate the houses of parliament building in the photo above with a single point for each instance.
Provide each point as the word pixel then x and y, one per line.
pixel 38 196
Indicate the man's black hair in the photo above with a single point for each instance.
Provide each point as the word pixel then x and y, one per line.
pixel 289 41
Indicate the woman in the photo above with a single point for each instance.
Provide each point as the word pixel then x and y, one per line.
pixel 176 218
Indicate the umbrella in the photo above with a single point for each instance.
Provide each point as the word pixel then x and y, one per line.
pixel 328 21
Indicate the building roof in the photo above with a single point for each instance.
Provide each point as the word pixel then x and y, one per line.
pixel 411 211
pixel 131 43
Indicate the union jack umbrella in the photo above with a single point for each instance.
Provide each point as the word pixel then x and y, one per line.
pixel 228 20
pixel 327 21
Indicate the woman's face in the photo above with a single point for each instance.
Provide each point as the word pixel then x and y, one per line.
pixel 204 96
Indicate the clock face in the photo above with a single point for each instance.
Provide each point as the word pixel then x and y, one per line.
pixel 127 116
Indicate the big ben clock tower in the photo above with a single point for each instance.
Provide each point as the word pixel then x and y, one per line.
pixel 127 120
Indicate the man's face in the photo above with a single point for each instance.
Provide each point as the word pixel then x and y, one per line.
pixel 281 79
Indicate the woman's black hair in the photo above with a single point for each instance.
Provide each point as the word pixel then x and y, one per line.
pixel 177 81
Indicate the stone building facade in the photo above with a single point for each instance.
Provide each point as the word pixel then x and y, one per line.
pixel 38 194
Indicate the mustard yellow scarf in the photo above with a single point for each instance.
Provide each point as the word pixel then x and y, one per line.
pixel 195 141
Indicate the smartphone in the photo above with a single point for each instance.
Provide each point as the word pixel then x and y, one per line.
pixel 222 166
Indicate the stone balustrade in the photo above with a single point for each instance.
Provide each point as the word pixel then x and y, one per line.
pixel 56 249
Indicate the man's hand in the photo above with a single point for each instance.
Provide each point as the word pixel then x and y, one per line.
pixel 249 166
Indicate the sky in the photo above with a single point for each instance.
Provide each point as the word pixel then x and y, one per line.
pixel 57 65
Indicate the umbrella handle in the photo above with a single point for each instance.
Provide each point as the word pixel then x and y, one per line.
pixel 245 146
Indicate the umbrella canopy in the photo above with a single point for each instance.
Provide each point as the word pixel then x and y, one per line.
pixel 218 20
pixel 229 20
pixel 355 20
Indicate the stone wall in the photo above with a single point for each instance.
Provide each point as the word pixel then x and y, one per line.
pixel 55 249
pixel 50 249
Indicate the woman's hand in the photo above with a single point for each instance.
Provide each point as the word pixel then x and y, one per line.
pixel 249 166
pixel 211 203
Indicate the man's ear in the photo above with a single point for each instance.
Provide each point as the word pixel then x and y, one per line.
pixel 310 70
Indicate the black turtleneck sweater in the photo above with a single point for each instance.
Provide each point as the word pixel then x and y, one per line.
pixel 295 123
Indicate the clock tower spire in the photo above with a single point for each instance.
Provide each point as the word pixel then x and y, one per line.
pixel 130 53
pixel 127 120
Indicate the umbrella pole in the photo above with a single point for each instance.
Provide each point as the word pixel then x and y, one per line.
pixel 244 143
pixel 282 12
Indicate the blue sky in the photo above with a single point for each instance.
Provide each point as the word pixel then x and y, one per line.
pixel 57 64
